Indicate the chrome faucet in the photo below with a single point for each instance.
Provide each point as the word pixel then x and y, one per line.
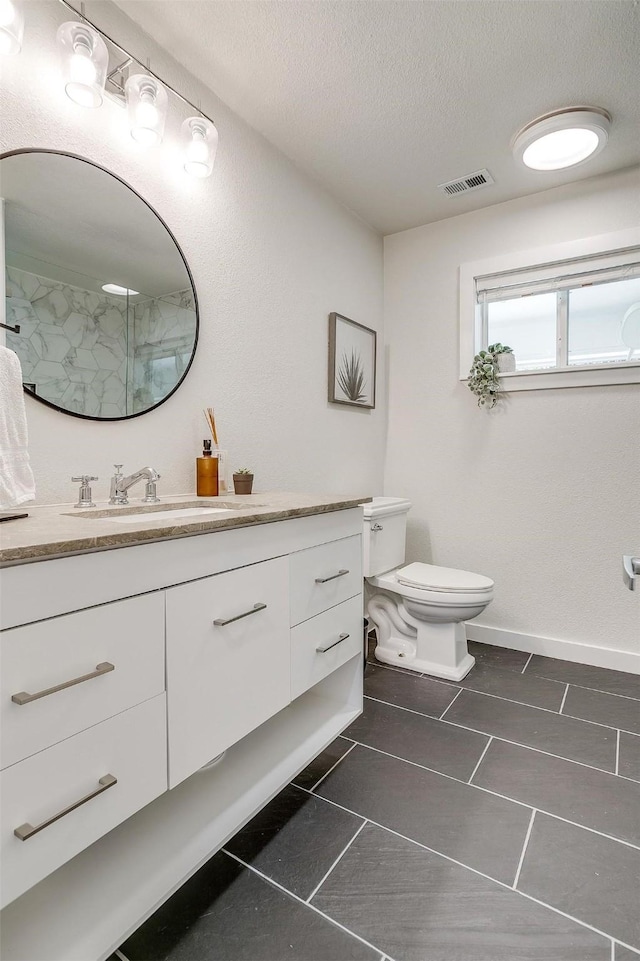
pixel 121 484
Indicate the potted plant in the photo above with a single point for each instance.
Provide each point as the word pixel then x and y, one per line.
pixel 243 480
pixel 484 379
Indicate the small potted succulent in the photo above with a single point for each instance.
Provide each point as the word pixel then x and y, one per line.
pixel 484 376
pixel 243 480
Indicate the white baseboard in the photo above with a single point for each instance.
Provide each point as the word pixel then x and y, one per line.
pixel 616 660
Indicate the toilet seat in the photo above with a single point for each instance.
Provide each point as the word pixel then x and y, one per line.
pixel 438 598
pixel 446 579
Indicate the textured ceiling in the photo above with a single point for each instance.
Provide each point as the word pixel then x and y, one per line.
pixel 382 101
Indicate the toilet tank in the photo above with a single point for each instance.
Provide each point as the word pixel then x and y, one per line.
pixel 385 527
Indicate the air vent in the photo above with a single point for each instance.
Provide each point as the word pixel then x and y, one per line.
pixel 474 181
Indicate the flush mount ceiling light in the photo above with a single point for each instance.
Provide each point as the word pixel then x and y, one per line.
pixel 120 291
pixel 563 138
pixel 147 106
pixel 11 27
pixel 84 63
pixel 200 142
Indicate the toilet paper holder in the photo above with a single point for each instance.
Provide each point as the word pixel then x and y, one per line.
pixel 631 569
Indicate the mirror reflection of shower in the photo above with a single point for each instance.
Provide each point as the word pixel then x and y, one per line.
pixel 96 353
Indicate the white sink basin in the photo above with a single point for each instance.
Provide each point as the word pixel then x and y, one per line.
pixel 166 515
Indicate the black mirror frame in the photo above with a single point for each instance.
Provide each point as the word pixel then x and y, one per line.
pixel 111 420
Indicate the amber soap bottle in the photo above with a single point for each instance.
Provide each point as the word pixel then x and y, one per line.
pixel 206 472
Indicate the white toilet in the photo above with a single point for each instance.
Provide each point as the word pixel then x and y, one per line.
pixel 417 610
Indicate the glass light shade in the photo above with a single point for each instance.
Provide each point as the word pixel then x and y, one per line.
pixel 85 60
pixel 563 138
pixel 11 27
pixel 147 107
pixel 199 143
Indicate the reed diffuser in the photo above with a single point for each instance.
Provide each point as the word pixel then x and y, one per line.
pixel 210 418
pixel 215 454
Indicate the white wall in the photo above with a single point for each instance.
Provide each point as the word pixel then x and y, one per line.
pixel 272 255
pixel 543 493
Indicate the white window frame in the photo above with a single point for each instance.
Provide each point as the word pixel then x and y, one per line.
pixel 470 315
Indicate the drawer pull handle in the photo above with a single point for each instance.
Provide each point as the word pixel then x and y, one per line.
pixel 323 580
pixel 24 698
pixel 323 648
pixel 219 622
pixel 26 831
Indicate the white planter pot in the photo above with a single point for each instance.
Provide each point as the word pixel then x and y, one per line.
pixel 506 363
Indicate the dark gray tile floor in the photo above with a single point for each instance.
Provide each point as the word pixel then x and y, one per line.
pixel 423 740
pixel 629 763
pixel 448 824
pixel 588 876
pixel 620 712
pixel 625 954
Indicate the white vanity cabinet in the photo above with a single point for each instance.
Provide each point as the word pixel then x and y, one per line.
pixel 227 660
pixel 63 675
pixel 124 673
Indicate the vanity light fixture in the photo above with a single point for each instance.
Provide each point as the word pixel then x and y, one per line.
pixel 200 142
pixel 119 291
pixel 11 27
pixel 147 106
pixel 562 138
pixel 84 63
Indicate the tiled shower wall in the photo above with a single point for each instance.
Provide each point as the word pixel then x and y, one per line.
pixel 85 352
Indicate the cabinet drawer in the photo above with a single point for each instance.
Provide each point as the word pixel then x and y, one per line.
pixel 131 747
pixel 324 576
pixel 319 646
pixel 228 666
pixel 40 657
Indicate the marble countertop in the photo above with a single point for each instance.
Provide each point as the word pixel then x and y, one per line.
pixel 58 530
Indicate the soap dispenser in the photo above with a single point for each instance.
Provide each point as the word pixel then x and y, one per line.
pixel 206 472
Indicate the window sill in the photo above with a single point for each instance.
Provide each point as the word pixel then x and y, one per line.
pixel 593 376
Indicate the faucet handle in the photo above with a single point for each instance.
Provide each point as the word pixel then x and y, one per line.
pixel 84 494
pixel 118 468
pixel 150 493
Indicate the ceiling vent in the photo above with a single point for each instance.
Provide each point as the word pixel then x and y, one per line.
pixel 474 181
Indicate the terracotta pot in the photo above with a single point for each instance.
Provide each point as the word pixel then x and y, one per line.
pixel 242 483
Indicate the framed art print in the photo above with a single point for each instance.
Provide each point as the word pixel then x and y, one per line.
pixel 352 363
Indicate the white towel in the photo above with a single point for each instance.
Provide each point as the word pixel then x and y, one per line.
pixel 16 477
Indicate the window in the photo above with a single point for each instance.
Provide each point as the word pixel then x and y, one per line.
pixel 571 320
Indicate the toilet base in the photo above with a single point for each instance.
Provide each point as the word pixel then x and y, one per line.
pixel 434 647
pixel 401 658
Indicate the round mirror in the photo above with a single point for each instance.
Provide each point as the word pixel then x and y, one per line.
pixel 98 287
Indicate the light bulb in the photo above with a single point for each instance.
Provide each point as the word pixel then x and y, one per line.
pixel 563 148
pixel 147 108
pixel 119 291
pixel 563 138
pixel 200 139
pixel 84 63
pixel 11 27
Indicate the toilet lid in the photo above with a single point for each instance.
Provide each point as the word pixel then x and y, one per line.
pixel 442 579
